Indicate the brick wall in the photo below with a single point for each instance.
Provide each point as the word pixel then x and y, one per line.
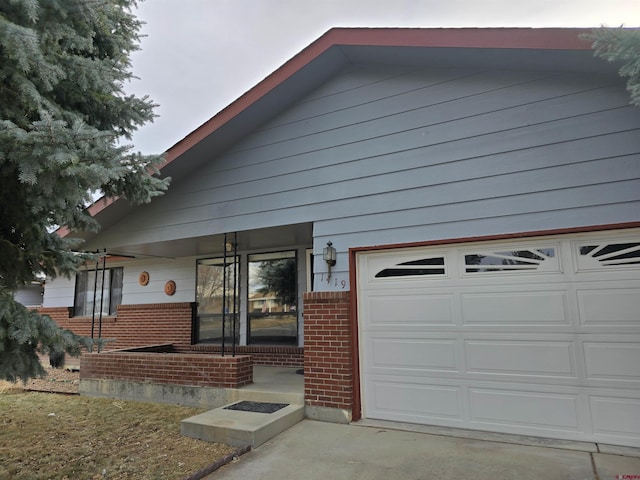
pixel 134 325
pixel 275 356
pixel 193 369
pixel 139 325
pixel 328 376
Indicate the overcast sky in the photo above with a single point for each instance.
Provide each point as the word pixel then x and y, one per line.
pixel 198 56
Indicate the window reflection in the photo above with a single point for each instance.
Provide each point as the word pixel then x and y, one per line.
pixel 272 302
pixel 517 260
pixel 88 287
pixel 213 297
pixel 613 254
pixel 421 267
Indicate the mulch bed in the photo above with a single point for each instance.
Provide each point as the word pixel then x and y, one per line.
pixel 57 380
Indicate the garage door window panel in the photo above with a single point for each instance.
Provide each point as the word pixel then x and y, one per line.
pixel 415 268
pixel 527 260
pixel 609 255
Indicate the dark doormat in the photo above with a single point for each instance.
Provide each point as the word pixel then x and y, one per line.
pixel 259 407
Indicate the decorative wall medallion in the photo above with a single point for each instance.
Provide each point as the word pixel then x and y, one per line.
pixel 170 287
pixel 143 279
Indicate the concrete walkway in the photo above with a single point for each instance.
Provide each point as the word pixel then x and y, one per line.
pixel 316 450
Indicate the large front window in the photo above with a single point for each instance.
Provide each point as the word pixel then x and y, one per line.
pixel 98 291
pixel 217 299
pixel 272 298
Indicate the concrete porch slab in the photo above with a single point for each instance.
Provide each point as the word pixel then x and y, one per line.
pixel 274 384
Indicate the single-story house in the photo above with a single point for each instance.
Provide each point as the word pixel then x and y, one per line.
pixel 30 295
pixel 481 189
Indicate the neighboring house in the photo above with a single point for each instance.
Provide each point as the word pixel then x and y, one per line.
pixel 482 190
pixel 30 295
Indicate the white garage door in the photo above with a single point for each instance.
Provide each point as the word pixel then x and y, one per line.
pixel 536 337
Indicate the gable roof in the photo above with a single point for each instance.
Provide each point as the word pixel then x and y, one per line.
pixel 444 38
pixel 546 48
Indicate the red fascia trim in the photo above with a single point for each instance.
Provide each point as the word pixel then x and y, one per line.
pixel 63 231
pixel 93 210
pixel 523 38
pixel 286 71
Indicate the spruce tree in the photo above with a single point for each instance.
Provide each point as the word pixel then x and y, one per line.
pixel 64 123
pixel 622 46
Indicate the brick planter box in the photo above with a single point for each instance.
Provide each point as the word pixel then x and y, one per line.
pixel 194 369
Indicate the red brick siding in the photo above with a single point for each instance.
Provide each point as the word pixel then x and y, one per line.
pixel 275 356
pixel 134 325
pixel 328 376
pixel 169 368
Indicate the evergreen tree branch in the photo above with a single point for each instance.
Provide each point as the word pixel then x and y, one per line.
pixel 63 114
pixel 622 47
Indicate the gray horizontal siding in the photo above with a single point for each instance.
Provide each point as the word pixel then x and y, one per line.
pixel 430 112
pixel 457 98
pixel 458 204
pixel 476 227
pixel 375 151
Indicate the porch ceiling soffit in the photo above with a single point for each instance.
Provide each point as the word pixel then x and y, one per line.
pixel 252 240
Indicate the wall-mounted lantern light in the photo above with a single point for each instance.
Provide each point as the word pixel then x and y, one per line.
pixel 329 256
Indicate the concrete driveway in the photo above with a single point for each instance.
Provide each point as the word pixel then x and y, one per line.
pixel 317 450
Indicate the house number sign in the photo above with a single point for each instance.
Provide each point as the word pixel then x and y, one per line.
pixel 333 280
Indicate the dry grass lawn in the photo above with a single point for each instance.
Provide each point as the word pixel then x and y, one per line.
pixel 53 436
